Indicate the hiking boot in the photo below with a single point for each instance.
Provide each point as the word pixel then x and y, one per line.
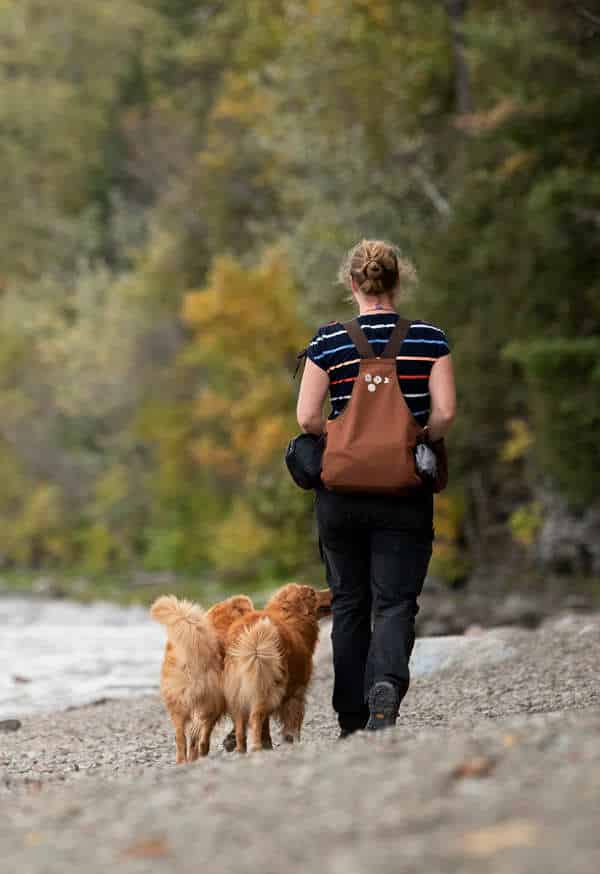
pixel 347 732
pixel 383 706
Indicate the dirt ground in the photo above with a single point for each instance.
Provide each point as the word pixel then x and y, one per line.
pixel 494 766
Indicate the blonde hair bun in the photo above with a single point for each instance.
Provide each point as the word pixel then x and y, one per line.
pixel 376 267
pixel 373 269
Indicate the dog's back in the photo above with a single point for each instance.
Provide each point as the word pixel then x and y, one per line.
pixel 224 614
pixel 193 662
pixel 255 673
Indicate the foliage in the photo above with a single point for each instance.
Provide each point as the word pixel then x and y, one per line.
pixel 180 183
pixel 564 382
pixel 525 522
pixel 246 333
pixel 519 441
pixel 450 560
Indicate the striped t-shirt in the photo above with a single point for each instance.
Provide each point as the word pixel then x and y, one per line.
pixel 334 352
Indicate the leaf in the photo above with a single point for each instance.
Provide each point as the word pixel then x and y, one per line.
pixel 147 848
pixel 478 766
pixel 484 842
pixel 519 441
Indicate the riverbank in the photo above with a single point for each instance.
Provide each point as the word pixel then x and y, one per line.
pixel 495 761
pixel 497 597
pixel 136 588
pixel 492 597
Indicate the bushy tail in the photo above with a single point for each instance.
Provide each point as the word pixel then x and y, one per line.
pixel 187 628
pixel 256 672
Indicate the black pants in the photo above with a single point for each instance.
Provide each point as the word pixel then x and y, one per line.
pixel 376 551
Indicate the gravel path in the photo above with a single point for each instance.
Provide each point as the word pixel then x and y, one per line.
pixel 495 763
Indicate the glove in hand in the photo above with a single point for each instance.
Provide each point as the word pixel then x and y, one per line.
pixel 425 461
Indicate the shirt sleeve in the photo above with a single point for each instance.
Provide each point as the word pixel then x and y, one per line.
pixel 316 350
pixel 442 348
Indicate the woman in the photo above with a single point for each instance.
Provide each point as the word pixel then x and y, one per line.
pixel 376 547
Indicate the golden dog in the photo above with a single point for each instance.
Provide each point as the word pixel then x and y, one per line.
pixel 268 664
pixel 192 669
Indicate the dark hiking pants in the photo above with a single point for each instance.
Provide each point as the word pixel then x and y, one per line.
pixel 376 551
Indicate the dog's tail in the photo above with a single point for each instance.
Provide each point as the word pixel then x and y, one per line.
pixel 187 628
pixel 256 671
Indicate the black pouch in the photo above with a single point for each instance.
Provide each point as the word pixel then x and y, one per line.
pixel 303 457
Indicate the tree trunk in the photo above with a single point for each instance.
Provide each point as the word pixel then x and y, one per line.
pixel 457 10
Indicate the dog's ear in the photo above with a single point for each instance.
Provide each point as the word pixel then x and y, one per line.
pixel 241 604
pixel 296 600
pixel 302 600
pixel 311 601
pixel 323 603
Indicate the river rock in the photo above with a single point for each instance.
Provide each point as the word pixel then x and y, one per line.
pixel 569 542
pixel 518 609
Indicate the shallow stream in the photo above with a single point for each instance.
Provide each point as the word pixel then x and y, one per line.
pixel 55 653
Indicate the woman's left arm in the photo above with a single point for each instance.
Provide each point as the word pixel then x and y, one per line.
pixel 443 398
pixel 311 398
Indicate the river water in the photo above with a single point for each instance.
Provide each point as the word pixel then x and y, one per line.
pixel 55 654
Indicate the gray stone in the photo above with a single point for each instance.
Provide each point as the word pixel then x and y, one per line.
pixel 569 541
pixel 518 609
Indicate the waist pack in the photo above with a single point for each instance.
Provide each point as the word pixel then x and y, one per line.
pixel 370 447
pixel 303 457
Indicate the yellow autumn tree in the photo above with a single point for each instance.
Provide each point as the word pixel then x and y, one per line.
pixel 246 334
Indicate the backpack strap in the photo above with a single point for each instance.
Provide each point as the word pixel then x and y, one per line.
pixel 300 361
pixel 359 338
pixel 397 338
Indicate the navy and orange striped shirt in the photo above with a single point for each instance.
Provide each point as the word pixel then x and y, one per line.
pixel 334 352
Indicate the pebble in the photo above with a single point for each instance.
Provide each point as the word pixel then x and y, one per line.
pixel 380 803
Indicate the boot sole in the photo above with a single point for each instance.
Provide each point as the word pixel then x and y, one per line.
pixel 383 707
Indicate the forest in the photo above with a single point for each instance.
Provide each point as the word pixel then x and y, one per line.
pixel 180 181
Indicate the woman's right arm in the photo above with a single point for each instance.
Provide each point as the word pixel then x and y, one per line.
pixel 443 398
pixel 313 391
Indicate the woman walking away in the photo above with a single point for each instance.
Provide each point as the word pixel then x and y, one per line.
pixel 375 508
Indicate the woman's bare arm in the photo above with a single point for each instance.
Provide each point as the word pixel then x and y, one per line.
pixel 443 398
pixel 313 391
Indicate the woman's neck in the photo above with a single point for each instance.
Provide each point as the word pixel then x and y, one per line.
pixel 376 306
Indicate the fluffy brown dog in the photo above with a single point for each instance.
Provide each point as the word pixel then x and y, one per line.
pixel 268 664
pixel 192 669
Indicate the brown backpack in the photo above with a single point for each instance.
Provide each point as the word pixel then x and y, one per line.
pixel 370 445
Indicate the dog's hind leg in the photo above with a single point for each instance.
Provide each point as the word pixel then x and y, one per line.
pixel 192 750
pixel 241 725
pixel 195 733
pixel 266 735
pixel 291 715
pixel 206 729
pixel 180 739
pixel 258 717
